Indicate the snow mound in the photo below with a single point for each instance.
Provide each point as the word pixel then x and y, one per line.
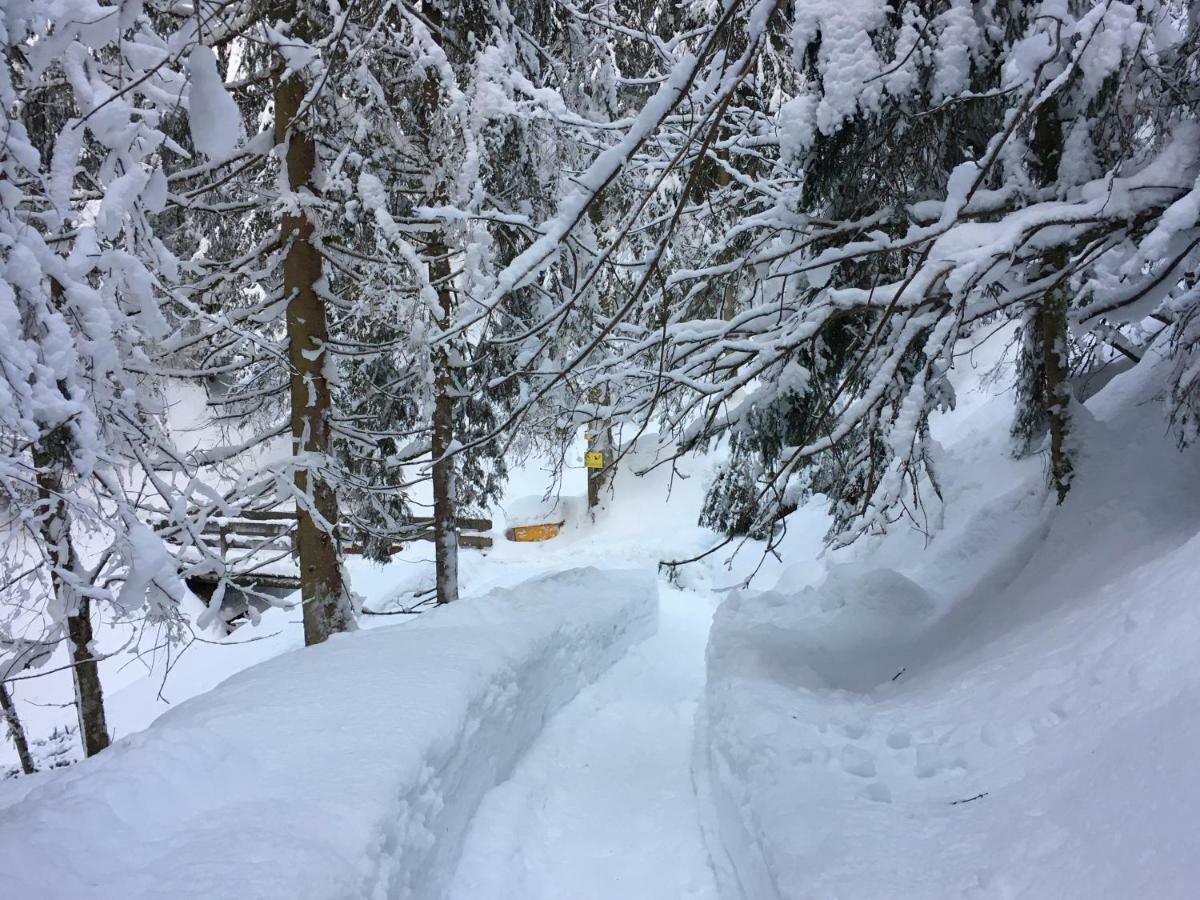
pixel 351 769
pixel 853 632
pixel 1011 713
pixel 536 509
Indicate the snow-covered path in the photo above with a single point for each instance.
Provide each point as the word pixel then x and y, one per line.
pixel 602 806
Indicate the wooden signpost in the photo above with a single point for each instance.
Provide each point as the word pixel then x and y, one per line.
pixel 525 533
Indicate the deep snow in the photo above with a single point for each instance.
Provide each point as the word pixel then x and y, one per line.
pixel 1003 708
pixel 602 805
pixel 1010 713
pixel 350 769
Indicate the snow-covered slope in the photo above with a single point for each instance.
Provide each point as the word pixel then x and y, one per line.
pixel 350 769
pixel 1012 712
pixel 1003 708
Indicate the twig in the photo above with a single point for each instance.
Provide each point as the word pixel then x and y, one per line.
pixel 968 799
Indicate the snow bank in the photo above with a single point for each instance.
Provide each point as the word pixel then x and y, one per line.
pixel 536 509
pixel 1011 713
pixel 351 769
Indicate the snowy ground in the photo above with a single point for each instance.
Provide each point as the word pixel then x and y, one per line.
pixel 351 769
pixel 602 805
pixel 1010 712
pixel 1006 710
pixel 603 796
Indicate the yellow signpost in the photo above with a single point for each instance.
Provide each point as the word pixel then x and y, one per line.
pixel 533 532
pixel 594 459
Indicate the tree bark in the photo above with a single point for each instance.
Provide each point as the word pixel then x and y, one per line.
pixel 445 493
pixel 598 479
pixel 322 590
pixel 1051 319
pixel 15 731
pixel 1052 322
pixel 50 459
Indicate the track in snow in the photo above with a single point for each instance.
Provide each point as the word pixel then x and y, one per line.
pixel 602 805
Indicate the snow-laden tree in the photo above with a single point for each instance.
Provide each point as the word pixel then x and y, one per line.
pixel 84 455
pixel 618 227
pixel 435 147
pixel 924 169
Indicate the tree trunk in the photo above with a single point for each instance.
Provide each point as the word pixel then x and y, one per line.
pixel 15 731
pixel 50 460
pixel 1051 318
pixel 1052 322
pixel 445 494
pixel 598 479
pixel 326 603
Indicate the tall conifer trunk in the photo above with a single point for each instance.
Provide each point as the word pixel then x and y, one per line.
pixel 326 605
pixel 445 492
pixel 1052 322
pixel 445 489
pixel 52 459
pixel 1051 319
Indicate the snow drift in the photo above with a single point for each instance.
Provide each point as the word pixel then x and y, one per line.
pixel 350 769
pixel 1011 713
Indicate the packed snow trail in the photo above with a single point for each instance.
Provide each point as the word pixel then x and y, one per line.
pixel 602 805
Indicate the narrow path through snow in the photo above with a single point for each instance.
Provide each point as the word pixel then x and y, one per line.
pixel 602 806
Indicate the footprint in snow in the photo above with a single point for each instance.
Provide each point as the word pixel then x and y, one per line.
pixel 857 761
pixel 878 792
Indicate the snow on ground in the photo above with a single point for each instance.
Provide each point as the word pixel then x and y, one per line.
pixel 602 805
pixel 350 769
pixel 1001 707
pixel 145 675
pixel 641 718
pixel 1011 713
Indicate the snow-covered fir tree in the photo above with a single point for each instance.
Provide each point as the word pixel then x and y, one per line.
pixel 928 169
pixel 87 466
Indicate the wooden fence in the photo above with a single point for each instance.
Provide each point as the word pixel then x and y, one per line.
pixel 265 537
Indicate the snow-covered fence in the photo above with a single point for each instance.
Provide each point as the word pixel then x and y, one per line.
pixel 256 543
pixel 349 769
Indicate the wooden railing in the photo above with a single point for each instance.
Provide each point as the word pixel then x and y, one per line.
pixel 267 532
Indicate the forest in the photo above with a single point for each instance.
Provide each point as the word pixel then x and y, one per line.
pixel 833 364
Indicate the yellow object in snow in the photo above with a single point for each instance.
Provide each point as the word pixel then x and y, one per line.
pixel 594 459
pixel 533 532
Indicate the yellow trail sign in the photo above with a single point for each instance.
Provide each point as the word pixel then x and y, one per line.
pixel 533 532
pixel 594 459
